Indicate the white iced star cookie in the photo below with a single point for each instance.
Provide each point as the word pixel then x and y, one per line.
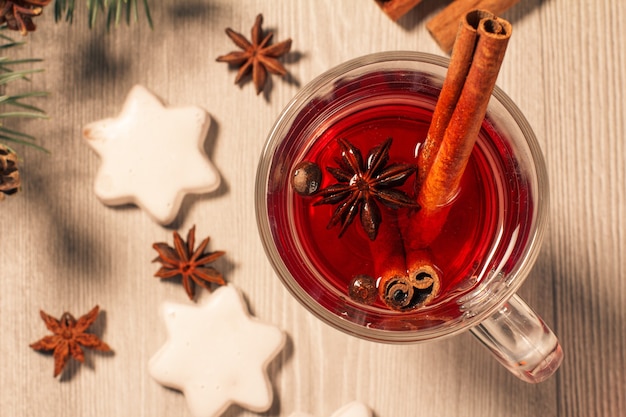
pixel 152 155
pixel 353 409
pixel 216 354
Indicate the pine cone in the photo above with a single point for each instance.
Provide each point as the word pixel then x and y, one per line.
pixel 10 182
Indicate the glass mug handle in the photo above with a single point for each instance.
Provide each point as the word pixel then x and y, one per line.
pixel 521 341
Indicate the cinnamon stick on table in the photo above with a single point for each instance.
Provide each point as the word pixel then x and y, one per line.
pixel 395 9
pixel 443 27
pixel 486 36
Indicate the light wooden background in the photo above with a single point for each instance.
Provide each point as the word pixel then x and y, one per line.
pixel 61 249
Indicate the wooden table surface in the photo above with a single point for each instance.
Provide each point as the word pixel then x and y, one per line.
pixel 63 250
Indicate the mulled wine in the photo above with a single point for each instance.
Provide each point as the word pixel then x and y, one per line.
pixel 396 105
pixel 492 225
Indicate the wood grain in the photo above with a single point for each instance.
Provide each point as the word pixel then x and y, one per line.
pixel 61 249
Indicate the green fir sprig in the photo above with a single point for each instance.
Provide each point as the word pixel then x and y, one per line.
pixel 114 10
pixel 16 106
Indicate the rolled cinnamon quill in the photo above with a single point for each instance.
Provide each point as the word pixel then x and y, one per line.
pixel 413 289
pixel 387 249
pixel 462 111
pixel 444 175
pixel 443 27
pixel 396 288
pixel 456 75
pixel 395 9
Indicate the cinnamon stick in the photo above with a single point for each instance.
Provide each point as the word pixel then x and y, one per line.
pixel 395 9
pixel 442 179
pixel 390 264
pixel 460 62
pixel 444 175
pixel 423 275
pixel 396 288
pixel 443 27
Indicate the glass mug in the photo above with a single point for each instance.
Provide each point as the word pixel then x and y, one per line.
pixel 488 244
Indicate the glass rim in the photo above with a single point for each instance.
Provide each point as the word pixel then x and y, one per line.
pixel 523 266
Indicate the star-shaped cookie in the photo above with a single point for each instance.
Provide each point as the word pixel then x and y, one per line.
pixel 353 409
pixel 217 355
pixel 152 155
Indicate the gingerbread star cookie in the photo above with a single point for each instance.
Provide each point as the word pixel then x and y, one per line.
pixel 353 409
pixel 217 355
pixel 152 155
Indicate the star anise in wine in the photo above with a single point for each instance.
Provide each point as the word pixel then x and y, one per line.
pixel 363 184
pixel 19 14
pixel 69 335
pixel 256 55
pixel 191 265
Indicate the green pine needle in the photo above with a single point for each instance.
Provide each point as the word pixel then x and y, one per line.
pixel 19 109
pixel 14 100
pixel 114 11
pixel 19 140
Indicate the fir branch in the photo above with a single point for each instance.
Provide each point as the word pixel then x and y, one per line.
pixel 114 10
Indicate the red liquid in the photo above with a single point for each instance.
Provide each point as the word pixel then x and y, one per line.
pixel 492 201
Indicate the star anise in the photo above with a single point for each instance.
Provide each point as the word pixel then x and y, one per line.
pixel 69 335
pixel 363 184
pixel 18 14
pixel 256 55
pixel 181 260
